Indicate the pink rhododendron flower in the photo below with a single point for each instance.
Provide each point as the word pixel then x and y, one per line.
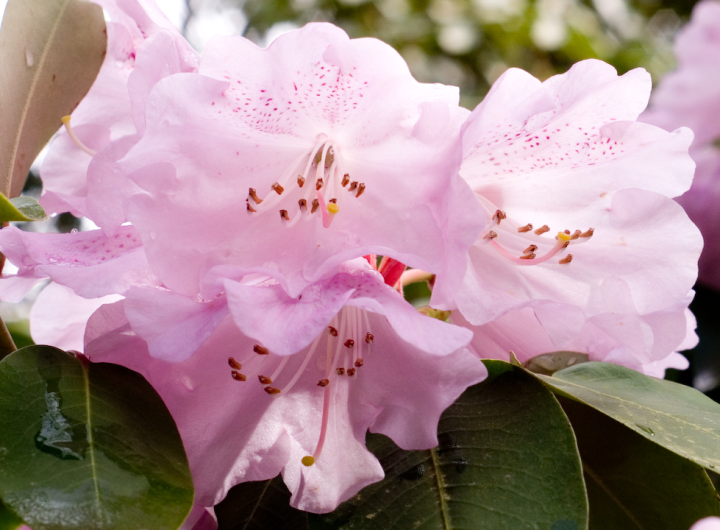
pixel 143 46
pixel 316 150
pixel 565 174
pixel 248 409
pixel 690 96
pixel 709 523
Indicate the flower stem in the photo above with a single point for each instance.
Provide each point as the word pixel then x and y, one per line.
pixel 7 345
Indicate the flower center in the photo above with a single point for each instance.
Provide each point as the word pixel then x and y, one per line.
pixel 316 180
pixel 526 245
pixel 347 339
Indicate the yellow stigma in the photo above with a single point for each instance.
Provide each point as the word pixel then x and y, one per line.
pixel 332 208
pixel 66 120
pixel 308 461
pixel 562 236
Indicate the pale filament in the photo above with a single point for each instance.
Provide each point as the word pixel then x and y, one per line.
pixel 74 138
pixel 415 276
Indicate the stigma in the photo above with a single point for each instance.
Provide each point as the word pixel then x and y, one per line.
pixel 315 185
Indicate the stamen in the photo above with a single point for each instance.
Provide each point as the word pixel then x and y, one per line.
pixel 526 228
pixel 319 184
pixel 359 362
pixel 369 338
pixel 361 189
pixel 302 204
pixel 234 364
pixel 351 372
pixel 260 350
pixel 238 376
pixel 567 259
pixel 315 206
pixel 264 380
pixel 323 382
pixel 271 390
pixel 345 180
pixel 589 233
pixel 304 364
pixel 531 258
pixel 499 215
pixel 301 181
pixel 531 248
pixel 284 215
pixel 329 159
pixel 531 255
pixel 71 134
pixel 490 235
pixel 576 234
pixel 542 230
pixel 353 185
pixel 349 343
pixel 254 196
pixel 340 371
pixel 332 331
pixel 250 208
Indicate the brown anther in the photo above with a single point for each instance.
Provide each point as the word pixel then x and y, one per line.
pixel 234 364
pixel 329 159
pixel 566 245
pixel 490 235
pixel 332 331
pixel 359 363
pixel 528 256
pixel 271 390
pixel 567 259
pixel 340 371
pixel 499 215
pixel 567 232
pixel 353 185
pixel 351 371
pixel 284 215
pixel 334 201
pixel 576 234
pixel 238 376
pixel 542 230
pixel 361 189
pixel 253 196
pixel 260 350
pixel 250 208
pixel 525 228
pixel 531 248
pixel 302 204
pixel 589 233
pixel 264 380
pixel 349 343
pixel 319 184
pixel 301 181
pixel 369 338
pixel 318 157
pixel 323 382
pixel 345 180
pixel 315 206
pixel 277 188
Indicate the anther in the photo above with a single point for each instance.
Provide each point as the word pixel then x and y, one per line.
pixel 324 382
pixel 319 184
pixel 359 363
pixel 301 181
pixel 353 185
pixel 254 196
pixel 302 204
pixel 351 371
pixel 528 256
pixel 260 350
pixel 369 338
pixel 349 343
pixel 238 376
pixel 332 201
pixel 250 208
pixel 567 259
pixel 361 189
pixel 271 390
pixel 499 215
pixel 329 159
pixel 589 233
pixel 264 380
pixel 530 249
pixel 277 188
pixel 576 234
pixel 567 232
pixel 345 180
pixel 234 364
pixel 542 230
pixel 525 228
pixel 315 205
pixel 340 371
pixel 284 215
pixel 490 235
pixel 332 331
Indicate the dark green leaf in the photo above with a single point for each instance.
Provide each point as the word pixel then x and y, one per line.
pixel 21 208
pixel 675 416
pixel 633 483
pixel 8 520
pixel 507 459
pixel 87 446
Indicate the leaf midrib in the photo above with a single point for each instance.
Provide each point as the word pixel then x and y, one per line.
pixel 91 442
pixel 441 490
pixel 596 478
pixel 26 106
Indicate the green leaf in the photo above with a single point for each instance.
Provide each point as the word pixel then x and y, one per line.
pixel 21 208
pixel 636 484
pixel 8 520
pixel 50 52
pixel 87 446
pixel 674 416
pixel 507 459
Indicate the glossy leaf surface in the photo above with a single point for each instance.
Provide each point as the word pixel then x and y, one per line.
pixel 20 209
pixel 675 416
pixel 50 52
pixel 636 484
pixel 87 446
pixel 507 459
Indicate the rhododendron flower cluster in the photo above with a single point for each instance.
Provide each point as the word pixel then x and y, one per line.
pixel 690 96
pixel 244 196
